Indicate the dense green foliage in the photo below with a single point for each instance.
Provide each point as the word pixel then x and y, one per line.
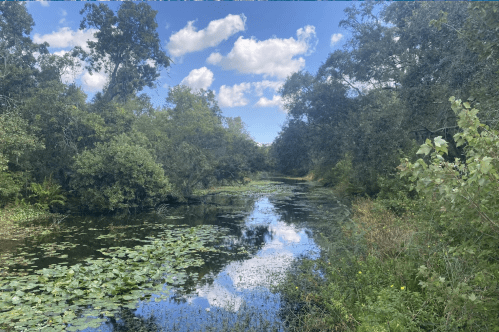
pixel 420 250
pixel 386 89
pixel 420 254
pixel 433 266
pixel 119 174
pixel 118 151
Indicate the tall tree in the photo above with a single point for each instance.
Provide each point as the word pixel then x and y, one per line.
pixel 387 86
pixel 127 47
pixel 18 73
pixel 196 134
pixel 290 149
pixel 321 102
pixel 481 33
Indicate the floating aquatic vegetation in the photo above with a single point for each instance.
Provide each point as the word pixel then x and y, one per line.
pixel 118 277
pixel 71 298
pixel 251 188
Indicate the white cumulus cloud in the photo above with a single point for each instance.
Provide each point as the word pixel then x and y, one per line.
pixel 266 84
pixel 190 40
pixel 233 96
pixel 275 101
pixel 264 102
pixel 307 35
pixel 214 58
pixel 336 38
pixel 65 37
pixel 199 78
pixel 272 57
pixel 95 82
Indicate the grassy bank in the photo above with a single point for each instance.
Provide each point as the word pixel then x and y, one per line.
pixel 392 272
pixel 18 221
pixel 421 256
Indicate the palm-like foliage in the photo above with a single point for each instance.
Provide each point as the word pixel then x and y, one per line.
pixel 46 194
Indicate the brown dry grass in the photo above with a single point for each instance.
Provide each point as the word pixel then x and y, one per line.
pixel 384 233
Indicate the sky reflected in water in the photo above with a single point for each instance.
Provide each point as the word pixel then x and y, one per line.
pixel 241 290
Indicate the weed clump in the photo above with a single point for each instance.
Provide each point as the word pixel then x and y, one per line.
pixel 385 235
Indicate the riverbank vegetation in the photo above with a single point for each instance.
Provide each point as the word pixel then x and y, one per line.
pixel 420 171
pixel 401 124
pixel 413 264
pixel 62 155
pixel 118 152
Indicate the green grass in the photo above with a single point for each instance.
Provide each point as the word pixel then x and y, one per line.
pixel 17 221
pixel 385 272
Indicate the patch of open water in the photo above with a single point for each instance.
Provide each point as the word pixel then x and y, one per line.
pixel 241 288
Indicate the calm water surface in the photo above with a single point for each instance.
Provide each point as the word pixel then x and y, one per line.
pixel 272 230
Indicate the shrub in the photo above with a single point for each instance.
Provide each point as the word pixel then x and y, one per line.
pixel 461 278
pixel 342 177
pixel 46 194
pixel 119 174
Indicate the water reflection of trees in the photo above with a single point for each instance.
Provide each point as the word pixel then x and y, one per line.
pixel 230 213
pixel 291 210
pixel 126 321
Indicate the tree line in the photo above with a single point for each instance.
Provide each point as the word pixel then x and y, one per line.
pixel 403 121
pixel 382 95
pixel 117 151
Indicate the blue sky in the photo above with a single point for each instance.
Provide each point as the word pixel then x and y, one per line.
pixel 243 51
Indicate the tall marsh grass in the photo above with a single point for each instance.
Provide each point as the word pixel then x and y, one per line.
pixel 385 235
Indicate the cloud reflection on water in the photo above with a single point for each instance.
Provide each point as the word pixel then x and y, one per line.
pixel 243 283
pixel 267 267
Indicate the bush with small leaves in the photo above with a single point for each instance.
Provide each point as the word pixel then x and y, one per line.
pixel 119 174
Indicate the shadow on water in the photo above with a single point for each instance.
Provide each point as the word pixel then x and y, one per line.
pixel 232 291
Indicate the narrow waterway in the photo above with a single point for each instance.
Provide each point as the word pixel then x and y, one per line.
pixel 232 290
pixel 241 289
